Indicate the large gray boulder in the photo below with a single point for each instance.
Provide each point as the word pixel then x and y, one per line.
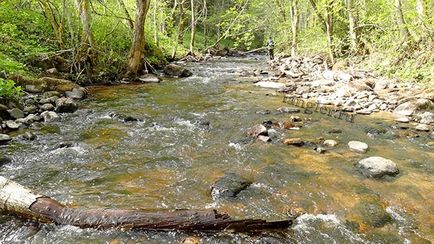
pixel 66 105
pixel 377 167
pixel 177 71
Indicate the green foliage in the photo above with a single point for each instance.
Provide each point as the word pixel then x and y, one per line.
pixel 8 90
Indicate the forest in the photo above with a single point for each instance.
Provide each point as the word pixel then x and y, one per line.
pixel 97 40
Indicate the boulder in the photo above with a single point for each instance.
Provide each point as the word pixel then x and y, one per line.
pixel 77 93
pixel 12 125
pixel 149 78
pixel 294 141
pixel 330 143
pixel 4 138
pixel 47 107
pixel 45 84
pixel 228 186
pixel 358 146
pixel 406 109
pixel 49 116
pixel 377 167
pixel 426 118
pixel 177 71
pixel 257 130
pixel 66 105
pixel 16 113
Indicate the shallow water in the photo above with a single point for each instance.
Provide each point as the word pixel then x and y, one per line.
pixel 171 158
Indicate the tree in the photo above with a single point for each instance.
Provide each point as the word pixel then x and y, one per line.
pixel 403 30
pixel 193 28
pixel 352 19
pixel 137 51
pixel 294 26
pixel 85 54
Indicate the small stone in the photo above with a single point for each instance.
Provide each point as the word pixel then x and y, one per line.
pixel 426 118
pixel 12 125
pixel 377 167
pixel 358 146
pixel 191 240
pixel 422 127
pixel 4 138
pixel 149 78
pixel 273 134
pixel 49 116
pixel 289 110
pixel 264 138
pixel 52 71
pixel 16 113
pixel 257 130
pixel 31 118
pixel 29 136
pixel 30 109
pixel 320 150
pixel 294 141
pixel 47 107
pixel 330 143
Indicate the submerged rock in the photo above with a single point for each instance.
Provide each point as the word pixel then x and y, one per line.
pixel 66 105
pixel 377 167
pixel 5 160
pixel 228 186
pixel 29 136
pixel 358 146
pixel 176 70
pixel 373 213
pixel 294 141
pixel 49 116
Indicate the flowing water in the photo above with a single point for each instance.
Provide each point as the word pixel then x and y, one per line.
pixel 192 133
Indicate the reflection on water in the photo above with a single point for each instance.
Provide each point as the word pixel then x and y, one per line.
pixel 191 132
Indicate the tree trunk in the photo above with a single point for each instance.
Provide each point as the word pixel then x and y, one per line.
pixel 155 22
pixel 403 30
pixel 23 202
pixel 56 26
pixel 329 29
pixel 86 23
pixel 178 37
pixel 352 18
pixel 193 28
pixel 420 9
pixel 294 26
pixel 137 51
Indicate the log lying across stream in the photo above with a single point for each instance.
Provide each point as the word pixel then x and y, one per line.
pixel 21 201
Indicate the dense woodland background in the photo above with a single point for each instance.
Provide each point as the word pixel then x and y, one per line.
pixel 109 39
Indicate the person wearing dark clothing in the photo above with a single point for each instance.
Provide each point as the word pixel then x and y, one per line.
pixel 270 48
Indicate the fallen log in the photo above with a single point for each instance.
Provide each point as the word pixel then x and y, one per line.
pixel 16 199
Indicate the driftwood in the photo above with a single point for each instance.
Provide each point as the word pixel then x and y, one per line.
pixel 23 202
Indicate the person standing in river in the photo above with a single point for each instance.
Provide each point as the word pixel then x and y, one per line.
pixel 270 48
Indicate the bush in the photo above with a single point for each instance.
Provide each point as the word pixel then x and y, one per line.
pixel 8 90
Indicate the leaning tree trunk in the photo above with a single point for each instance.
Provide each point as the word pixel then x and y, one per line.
pixel 18 200
pixel 137 51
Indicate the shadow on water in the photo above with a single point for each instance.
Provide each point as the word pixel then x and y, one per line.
pixel 189 133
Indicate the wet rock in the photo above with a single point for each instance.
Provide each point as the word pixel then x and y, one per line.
pixel 289 110
pixel 267 123
pixel 330 143
pixel 31 118
pixel 30 109
pixel 402 119
pixel 257 130
pixel 426 118
pixel 410 107
pixel 377 167
pixel 49 116
pixel 270 84
pixel 12 125
pixel 294 142
pixel 273 134
pixel 358 146
pixel 149 78
pixel 264 138
pixel 295 118
pixel 77 93
pixel 191 240
pixel 64 144
pixel 47 107
pixel 228 186
pixel 263 112
pixel 4 138
pixel 66 105
pixel 4 161
pixel 30 136
pixel 16 113
pixel 373 213
pixel 176 70
pixel 320 150
pixel 422 127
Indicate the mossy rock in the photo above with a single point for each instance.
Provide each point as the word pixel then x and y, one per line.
pixel 45 84
pixel 372 212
